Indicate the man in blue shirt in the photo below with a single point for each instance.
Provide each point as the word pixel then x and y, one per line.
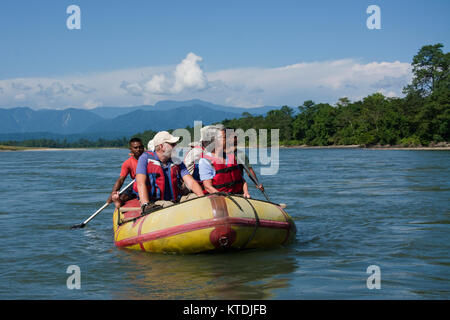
pixel 164 143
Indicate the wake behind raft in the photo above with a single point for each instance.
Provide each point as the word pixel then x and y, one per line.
pixel 210 223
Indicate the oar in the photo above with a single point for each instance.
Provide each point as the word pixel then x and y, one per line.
pixel 81 225
pixel 252 177
pixel 255 181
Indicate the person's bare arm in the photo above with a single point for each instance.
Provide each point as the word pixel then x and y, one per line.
pixel 141 180
pixel 245 187
pixel 259 185
pixel 209 187
pixel 193 185
pixel 116 187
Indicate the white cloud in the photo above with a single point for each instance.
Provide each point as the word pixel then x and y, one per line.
pixel 189 75
pixel 158 84
pixel 134 88
pixel 20 97
pixel 91 104
pixel 321 81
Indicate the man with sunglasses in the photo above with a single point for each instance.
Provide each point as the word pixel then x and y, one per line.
pixel 128 168
pixel 158 178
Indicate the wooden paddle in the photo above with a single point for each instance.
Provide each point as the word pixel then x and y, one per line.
pixel 83 224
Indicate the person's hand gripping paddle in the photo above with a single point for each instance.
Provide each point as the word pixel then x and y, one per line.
pixel 84 223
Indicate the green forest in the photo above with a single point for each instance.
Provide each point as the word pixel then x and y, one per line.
pixel 420 118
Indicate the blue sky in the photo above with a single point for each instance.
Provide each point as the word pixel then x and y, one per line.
pixel 157 36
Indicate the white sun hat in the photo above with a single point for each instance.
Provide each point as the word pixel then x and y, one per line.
pixel 163 137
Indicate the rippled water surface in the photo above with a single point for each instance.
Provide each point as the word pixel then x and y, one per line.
pixel 353 208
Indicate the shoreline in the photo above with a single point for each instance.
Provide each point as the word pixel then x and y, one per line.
pixel 30 149
pixel 436 148
pixel 369 148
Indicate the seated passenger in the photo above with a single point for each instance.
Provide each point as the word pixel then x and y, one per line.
pixel 158 179
pixel 220 171
pixel 128 168
pixel 192 158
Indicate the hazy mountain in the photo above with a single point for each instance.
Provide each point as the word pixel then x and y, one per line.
pixel 112 112
pixel 166 105
pixel 170 104
pixel 66 121
pixel 113 122
pixel 139 120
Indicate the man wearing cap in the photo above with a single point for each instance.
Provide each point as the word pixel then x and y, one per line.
pixel 158 179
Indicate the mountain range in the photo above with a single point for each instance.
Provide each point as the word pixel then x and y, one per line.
pixel 24 123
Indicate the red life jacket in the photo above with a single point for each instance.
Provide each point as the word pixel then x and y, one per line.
pixel 228 176
pixel 156 182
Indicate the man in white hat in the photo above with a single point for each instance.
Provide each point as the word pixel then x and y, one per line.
pixel 150 146
pixel 158 179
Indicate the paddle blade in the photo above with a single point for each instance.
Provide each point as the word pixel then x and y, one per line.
pixel 78 226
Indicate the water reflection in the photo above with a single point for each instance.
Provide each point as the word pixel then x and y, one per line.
pixel 249 274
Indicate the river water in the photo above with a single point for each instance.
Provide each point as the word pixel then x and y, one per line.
pixel 353 208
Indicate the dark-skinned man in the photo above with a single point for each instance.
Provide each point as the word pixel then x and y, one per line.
pixel 128 168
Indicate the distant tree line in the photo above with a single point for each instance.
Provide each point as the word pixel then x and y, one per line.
pixel 82 143
pixel 420 118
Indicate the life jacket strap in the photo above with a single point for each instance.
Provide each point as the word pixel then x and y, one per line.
pixel 229 184
pixel 227 169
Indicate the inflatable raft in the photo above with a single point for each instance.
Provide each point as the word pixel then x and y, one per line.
pixel 212 222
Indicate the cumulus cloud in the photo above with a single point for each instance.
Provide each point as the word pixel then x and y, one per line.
pixel 189 75
pixel 132 88
pixel 321 81
pixel 158 84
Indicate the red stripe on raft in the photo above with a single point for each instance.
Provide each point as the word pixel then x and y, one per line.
pixel 223 235
pixel 197 225
pixel 139 232
pixel 287 220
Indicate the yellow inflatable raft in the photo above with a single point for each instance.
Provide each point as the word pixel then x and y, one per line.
pixel 212 222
